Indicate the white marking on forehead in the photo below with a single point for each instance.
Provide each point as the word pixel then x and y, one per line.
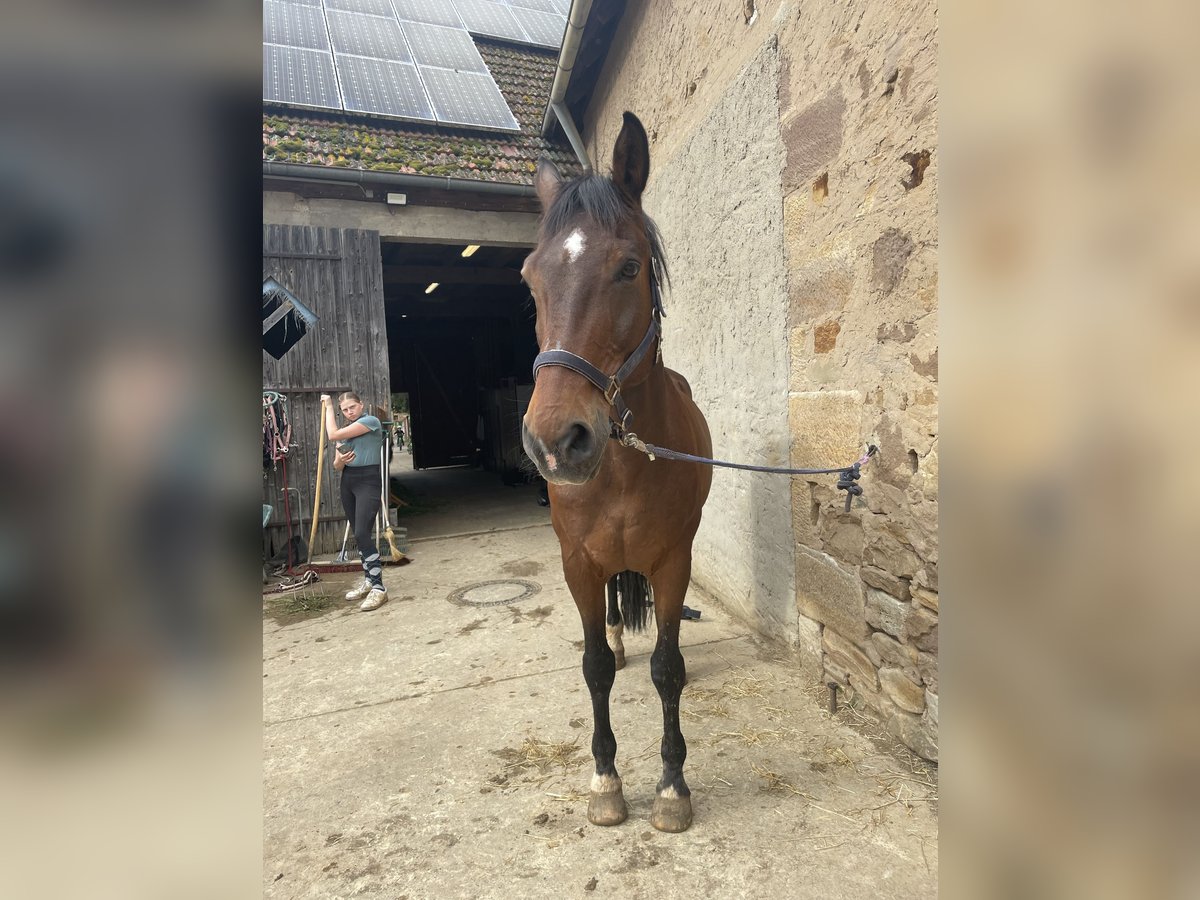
pixel 574 244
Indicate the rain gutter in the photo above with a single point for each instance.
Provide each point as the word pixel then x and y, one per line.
pixel 556 108
pixel 298 172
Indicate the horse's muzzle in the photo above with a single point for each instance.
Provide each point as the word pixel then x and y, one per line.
pixel 573 457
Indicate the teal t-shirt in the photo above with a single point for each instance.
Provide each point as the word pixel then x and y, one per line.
pixel 366 447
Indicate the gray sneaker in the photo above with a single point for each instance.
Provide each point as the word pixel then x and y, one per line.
pixel 359 591
pixel 374 600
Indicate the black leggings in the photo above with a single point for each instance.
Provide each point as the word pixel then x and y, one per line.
pixel 362 492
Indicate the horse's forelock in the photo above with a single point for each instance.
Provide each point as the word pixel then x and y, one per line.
pixel 593 196
pixel 597 198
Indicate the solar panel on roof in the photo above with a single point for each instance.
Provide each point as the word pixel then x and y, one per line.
pixel 448 48
pixel 485 17
pixel 544 29
pixel 540 5
pixel 467 98
pixel 361 35
pixel 431 12
pixel 293 25
pixel 410 59
pixel 383 87
pixel 369 7
pixel 299 77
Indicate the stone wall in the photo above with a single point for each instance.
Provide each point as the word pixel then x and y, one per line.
pixel 794 174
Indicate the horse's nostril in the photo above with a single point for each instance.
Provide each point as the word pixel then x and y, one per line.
pixel 577 440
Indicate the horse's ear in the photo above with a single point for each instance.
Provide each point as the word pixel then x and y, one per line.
pixel 631 158
pixel 546 181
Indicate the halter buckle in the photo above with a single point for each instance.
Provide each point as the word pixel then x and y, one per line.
pixel 614 388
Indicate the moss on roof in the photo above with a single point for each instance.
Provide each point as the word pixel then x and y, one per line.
pixel 356 142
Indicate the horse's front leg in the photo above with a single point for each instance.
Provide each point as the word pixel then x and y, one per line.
pixel 673 799
pixel 606 803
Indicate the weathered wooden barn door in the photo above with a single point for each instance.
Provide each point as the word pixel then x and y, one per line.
pixel 338 274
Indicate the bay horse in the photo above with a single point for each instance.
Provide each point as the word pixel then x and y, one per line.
pixel 622 520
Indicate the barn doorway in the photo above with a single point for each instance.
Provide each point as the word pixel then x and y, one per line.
pixel 461 344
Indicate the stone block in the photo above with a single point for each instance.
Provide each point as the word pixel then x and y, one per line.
pixel 889 259
pixel 931 706
pixel 886 546
pixel 927 641
pixel 927 367
pixel 812 140
pixel 893 653
pixel 830 594
pixel 926 598
pixel 825 428
pixel 819 288
pixel 907 622
pixel 835 671
pixel 842 536
pixel 927 668
pixel 918 733
pixel 809 649
pixel 885 613
pixel 901 691
pixel 873 654
pixel 885 581
pixel 825 336
pixel 850 658
pixel 875 699
pixel 927 576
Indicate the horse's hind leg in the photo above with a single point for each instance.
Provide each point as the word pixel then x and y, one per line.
pixel 614 627
pixel 673 799
pixel 606 803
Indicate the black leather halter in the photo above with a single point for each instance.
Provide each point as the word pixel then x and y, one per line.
pixel 610 385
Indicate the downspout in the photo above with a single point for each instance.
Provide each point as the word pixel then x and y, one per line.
pixel 568 125
pixel 576 20
pixel 298 172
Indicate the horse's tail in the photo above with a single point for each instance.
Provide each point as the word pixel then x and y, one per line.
pixel 635 594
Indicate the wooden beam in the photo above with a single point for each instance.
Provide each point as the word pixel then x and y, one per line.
pixel 423 275
pixel 285 307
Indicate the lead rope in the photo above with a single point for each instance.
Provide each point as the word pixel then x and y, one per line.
pixel 847 475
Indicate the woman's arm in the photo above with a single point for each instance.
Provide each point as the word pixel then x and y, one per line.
pixel 354 429
pixel 340 459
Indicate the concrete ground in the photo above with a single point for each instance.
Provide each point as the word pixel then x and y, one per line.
pixel 438 749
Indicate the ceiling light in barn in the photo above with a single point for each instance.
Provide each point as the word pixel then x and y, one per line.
pixel 431 288
pixel 471 248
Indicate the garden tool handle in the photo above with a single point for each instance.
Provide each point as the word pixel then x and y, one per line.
pixel 312 535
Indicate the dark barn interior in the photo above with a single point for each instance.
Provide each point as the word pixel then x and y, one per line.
pixel 462 351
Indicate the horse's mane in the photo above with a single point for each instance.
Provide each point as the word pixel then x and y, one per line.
pixel 600 200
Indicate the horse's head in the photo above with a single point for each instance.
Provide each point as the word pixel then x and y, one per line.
pixel 591 275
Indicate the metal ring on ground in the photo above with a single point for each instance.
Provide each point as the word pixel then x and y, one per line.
pixel 493 593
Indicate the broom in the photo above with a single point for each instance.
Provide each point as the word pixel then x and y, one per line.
pixel 391 537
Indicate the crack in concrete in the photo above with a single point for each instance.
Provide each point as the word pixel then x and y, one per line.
pixel 463 687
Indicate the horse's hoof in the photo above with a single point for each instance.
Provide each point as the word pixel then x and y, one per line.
pixel 620 660
pixel 673 814
pixel 607 809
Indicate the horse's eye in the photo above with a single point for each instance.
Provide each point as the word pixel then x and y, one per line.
pixel 630 269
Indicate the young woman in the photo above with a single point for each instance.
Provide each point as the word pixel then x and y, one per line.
pixel 356 456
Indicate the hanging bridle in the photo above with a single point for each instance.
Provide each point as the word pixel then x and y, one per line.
pixel 610 385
